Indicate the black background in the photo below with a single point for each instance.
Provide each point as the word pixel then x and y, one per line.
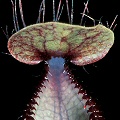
pixel 18 80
